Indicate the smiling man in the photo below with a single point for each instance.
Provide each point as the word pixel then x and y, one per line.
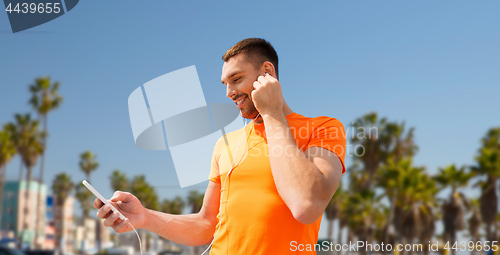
pixel 271 189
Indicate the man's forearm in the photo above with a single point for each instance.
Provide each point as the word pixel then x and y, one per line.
pixel 299 182
pixel 187 229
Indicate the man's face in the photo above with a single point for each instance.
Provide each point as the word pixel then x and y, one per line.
pixel 238 75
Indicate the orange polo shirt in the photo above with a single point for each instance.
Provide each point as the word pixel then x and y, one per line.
pixel 253 219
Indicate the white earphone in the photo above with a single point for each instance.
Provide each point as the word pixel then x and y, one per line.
pixel 224 184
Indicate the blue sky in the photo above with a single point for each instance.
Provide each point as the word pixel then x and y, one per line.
pixel 433 64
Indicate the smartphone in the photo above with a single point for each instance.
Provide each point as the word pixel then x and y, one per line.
pixel 98 195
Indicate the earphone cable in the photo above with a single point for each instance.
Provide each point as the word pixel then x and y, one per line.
pixel 225 179
pixel 138 237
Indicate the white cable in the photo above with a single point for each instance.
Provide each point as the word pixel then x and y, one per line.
pixel 224 185
pixel 222 196
pixel 138 237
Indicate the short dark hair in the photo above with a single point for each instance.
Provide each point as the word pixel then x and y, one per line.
pixel 256 50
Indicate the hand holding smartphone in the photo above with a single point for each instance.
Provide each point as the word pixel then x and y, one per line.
pixel 98 195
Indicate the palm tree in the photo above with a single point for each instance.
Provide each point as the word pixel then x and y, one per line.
pixel 174 206
pixel 345 206
pixel 380 141
pixel 332 210
pixel 360 209
pixel 453 209
pixel 395 144
pixel 195 199
pixel 488 164
pixel 398 142
pixel 474 222
pixel 428 218
pixel 356 177
pixel 88 163
pixel 28 141
pixel 367 136
pixel 411 194
pixel 364 212
pixel 7 151
pixel 416 200
pixel 343 217
pixel 85 198
pixel 146 194
pixel 44 99
pixel 62 186
pixel 391 177
pixel 119 181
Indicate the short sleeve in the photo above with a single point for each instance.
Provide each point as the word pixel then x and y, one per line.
pixel 330 135
pixel 214 166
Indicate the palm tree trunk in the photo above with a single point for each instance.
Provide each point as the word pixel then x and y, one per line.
pixel 474 239
pixel 389 221
pixel 339 233
pixel 339 237
pixel 453 230
pixel 39 196
pixel 98 235
pixel 364 237
pixel 26 204
pixel 350 238
pixel 453 240
pixel 21 171
pixel 84 218
pixel 3 169
pixel 59 233
pixel 330 230
pixel 19 237
pixel 403 242
pixel 494 234
pixel 488 206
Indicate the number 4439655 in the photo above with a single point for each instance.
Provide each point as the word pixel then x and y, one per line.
pixel 463 246
pixel 33 8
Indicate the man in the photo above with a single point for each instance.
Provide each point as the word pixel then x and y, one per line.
pixel 275 176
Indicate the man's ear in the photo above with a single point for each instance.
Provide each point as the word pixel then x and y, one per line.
pixel 268 67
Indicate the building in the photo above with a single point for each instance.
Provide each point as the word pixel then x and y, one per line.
pixel 129 239
pixel 50 233
pixel 26 225
pixel 151 243
pixel 89 234
pixel 92 236
pixel 50 230
pixel 64 225
pixel 78 241
pixel 102 234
